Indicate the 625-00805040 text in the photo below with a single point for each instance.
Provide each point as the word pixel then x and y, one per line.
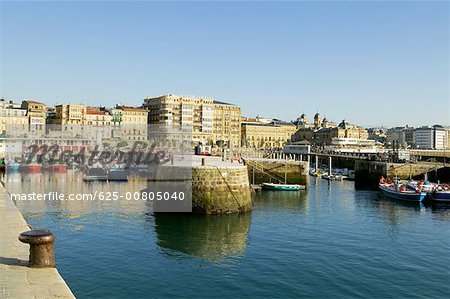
pixel 101 195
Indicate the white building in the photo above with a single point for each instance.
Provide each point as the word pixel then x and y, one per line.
pixel 430 137
pixel 354 145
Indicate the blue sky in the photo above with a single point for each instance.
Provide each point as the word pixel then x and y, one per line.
pixel 372 63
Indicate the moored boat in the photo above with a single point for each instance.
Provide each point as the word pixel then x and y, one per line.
pixel 282 187
pixel 31 168
pixel 13 166
pixel 96 174
pixel 441 193
pixel 56 168
pixel 402 192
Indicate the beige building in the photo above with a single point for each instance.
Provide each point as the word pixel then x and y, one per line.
pixel 255 134
pixel 13 119
pixel 129 123
pixel 36 113
pixel 226 124
pixel 323 134
pixel 209 121
pixel 98 123
pixel 69 114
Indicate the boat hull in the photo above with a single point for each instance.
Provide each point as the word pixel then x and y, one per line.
pixel 31 168
pixel 405 196
pixel 440 196
pixel 281 187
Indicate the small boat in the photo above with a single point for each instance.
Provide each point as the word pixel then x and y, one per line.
pixel 282 187
pixel 13 166
pixel 118 173
pixel 96 174
pixel 402 192
pixel 441 193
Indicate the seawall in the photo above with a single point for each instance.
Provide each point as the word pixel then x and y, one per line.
pixel 16 279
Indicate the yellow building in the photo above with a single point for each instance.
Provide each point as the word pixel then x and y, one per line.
pixel 69 114
pixel 266 135
pixel 226 124
pixel 209 121
pixel 36 113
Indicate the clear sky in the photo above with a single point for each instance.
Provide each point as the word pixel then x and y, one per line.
pixel 372 63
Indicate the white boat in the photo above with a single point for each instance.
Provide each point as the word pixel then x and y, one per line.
pixel 282 187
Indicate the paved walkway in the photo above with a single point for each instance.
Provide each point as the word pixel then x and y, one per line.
pixel 16 279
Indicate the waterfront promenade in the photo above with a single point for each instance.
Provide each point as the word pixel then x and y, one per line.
pixel 16 279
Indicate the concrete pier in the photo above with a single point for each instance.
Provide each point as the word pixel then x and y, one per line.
pixel 368 173
pixel 16 279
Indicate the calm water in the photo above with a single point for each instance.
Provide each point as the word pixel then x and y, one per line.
pixel 331 241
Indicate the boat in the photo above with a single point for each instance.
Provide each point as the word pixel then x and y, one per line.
pixel 96 174
pixel 282 187
pixel 441 193
pixel 56 168
pixel 118 173
pixel 13 166
pixel 31 168
pixel 401 191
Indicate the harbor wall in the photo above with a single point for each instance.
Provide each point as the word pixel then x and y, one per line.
pixel 215 189
pixel 262 171
pixel 220 190
pixel 16 279
pixel 368 173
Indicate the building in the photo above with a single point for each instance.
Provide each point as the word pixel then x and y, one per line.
pixel 263 135
pixel 69 114
pixel 431 137
pixel 13 119
pixel 323 135
pixel 196 115
pixel 377 134
pixel 98 123
pixel 404 136
pixel 129 123
pixel 226 124
pixel 36 113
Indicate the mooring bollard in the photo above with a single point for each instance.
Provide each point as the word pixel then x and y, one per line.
pixel 203 161
pixel 41 247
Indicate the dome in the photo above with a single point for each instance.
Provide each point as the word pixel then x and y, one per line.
pixel 317 115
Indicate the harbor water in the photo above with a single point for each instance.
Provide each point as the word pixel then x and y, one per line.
pixel 328 241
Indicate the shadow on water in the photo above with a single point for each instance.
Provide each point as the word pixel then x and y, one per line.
pixel 210 237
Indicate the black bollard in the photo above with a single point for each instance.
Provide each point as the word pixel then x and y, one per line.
pixel 41 248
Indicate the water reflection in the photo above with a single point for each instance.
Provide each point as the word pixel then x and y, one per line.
pixel 210 237
pixel 72 183
pixel 291 202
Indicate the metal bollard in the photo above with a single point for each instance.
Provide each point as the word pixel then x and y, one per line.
pixel 41 248
pixel 203 161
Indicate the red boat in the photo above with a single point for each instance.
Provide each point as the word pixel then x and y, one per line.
pixel 31 168
pixel 56 168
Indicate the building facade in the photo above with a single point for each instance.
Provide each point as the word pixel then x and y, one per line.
pixel 36 113
pixel 263 135
pixel 209 121
pixel 13 118
pixel 431 137
pixel 323 135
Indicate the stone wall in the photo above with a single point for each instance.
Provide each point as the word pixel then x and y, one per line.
pixel 215 190
pixel 223 190
pixel 297 172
